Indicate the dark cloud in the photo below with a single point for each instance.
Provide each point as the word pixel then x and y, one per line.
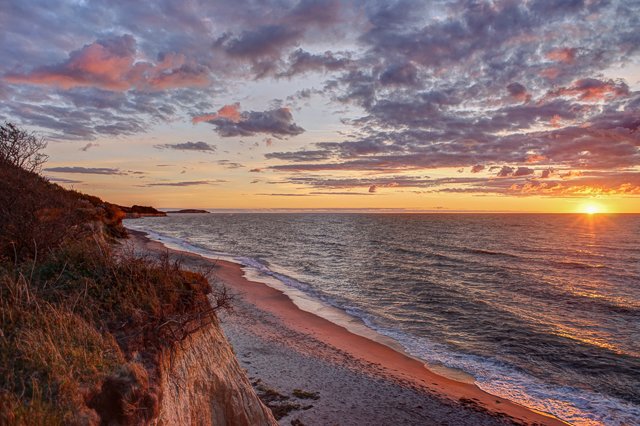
pixel 88 146
pixel 189 146
pixel 518 91
pixel 405 74
pixel 230 164
pixel 86 170
pixel 267 40
pixel 229 122
pixel 300 62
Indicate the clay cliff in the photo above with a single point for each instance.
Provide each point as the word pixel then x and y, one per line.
pixel 202 383
pixel 91 334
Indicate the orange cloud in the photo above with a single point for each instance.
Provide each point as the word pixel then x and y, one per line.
pixel 536 158
pixel 566 55
pixel 229 112
pixel 591 89
pixel 560 189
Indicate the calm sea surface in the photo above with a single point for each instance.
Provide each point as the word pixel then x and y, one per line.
pixel 541 309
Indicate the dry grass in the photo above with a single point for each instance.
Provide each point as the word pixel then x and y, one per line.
pixel 81 328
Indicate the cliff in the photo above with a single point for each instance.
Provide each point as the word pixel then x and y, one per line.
pixel 93 334
pixel 135 211
pixel 202 383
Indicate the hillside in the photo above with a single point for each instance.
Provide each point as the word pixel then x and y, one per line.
pixel 87 330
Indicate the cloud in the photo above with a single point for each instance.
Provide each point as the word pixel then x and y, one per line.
pixel 187 183
pixel 189 146
pixel 592 89
pixel 230 164
pixel 401 74
pixel 527 85
pixel 85 170
pixel 227 112
pixel 63 180
pixel 523 171
pixel 89 145
pixel 301 62
pixel 111 64
pixel 267 40
pixel 519 92
pixel 283 194
pixel 230 122
pixel 340 193
pixel 563 54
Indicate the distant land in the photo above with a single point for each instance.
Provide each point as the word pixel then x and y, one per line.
pixel 136 211
pixel 189 211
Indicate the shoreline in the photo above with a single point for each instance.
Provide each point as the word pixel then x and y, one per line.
pixel 371 356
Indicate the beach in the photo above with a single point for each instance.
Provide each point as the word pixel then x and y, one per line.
pixel 323 374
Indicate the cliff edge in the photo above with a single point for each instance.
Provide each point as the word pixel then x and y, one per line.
pixel 91 334
pixel 202 383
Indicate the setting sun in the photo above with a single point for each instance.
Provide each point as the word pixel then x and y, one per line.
pixel 592 208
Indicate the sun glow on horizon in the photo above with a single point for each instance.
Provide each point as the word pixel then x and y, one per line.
pixel 592 208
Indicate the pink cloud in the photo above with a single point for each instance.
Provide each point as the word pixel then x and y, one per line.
pixel 112 64
pixel 550 73
pixel 565 54
pixel 229 112
pixel 591 89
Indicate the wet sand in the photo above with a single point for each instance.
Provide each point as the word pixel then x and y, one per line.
pixel 357 380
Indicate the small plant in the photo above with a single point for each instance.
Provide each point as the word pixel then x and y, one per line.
pixel 299 393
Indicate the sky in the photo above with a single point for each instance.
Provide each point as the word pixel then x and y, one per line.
pixel 269 104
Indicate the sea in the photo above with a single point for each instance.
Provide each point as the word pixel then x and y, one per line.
pixel 542 309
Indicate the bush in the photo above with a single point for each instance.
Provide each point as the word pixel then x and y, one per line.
pixel 21 148
pixel 81 326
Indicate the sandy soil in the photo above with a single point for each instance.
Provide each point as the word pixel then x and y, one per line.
pixel 341 378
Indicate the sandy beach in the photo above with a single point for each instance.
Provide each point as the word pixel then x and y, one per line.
pixel 316 372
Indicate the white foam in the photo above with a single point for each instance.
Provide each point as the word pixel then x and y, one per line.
pixel 573 405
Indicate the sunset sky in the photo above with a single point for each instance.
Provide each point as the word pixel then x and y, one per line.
pixel 442 105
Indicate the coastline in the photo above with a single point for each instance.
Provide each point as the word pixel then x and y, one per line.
pixel 348 371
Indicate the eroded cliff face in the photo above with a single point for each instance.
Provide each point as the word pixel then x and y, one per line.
pixel 202 384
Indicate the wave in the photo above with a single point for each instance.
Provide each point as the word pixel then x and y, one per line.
pixel 577 406
pixel 490 252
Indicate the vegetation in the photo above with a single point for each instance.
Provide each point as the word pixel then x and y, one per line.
pixel 82 323
pixel 21 148
pixel 302 394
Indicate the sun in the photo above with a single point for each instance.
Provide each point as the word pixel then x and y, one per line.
pixel 592 208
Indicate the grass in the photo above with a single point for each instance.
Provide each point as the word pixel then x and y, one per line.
pixel 82 325
pixel 302 394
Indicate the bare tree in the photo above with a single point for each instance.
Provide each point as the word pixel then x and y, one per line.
pixel 21 148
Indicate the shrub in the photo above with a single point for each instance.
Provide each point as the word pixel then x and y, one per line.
pixel 81 326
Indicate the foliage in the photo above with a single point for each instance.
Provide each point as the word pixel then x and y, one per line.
pixel 21 148
pixel 82 324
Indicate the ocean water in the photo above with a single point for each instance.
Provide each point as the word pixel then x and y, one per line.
pixel 541 309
